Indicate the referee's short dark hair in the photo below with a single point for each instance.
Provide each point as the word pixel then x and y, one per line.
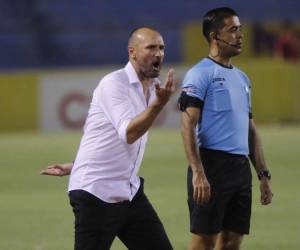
pixel 214 20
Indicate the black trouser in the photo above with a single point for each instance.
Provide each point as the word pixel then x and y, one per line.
pixel 229 207
pixel 136 223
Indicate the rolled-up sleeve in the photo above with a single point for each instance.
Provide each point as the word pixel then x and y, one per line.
pixel 115 102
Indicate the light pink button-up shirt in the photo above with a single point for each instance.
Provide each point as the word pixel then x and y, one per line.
pixel 106 165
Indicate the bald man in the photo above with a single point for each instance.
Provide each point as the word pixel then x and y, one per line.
pixel 105 192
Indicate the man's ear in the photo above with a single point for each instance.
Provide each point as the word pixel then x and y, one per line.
pixel 213 36
pixel 131 52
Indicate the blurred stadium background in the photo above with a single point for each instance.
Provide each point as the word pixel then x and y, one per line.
pixel 53 54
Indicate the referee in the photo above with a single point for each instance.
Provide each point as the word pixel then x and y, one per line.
pixel 218 134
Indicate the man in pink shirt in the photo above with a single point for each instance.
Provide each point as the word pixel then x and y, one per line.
pixel 105 192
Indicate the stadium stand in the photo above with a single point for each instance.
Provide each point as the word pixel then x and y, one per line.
pixel 43 33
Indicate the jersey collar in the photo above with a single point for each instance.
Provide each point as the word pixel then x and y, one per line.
pixel 222 65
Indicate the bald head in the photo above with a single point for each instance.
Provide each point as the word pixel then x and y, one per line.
pixel 146 52
pixel 140 34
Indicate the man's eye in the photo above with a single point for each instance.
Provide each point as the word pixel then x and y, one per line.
pixel 235 29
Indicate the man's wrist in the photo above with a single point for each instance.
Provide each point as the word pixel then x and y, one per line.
pixel 156 105
pixel 197 169
pixel 264 174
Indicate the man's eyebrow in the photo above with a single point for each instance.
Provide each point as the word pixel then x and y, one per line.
pixel 155 45
pixel 151 45
pixel 235 26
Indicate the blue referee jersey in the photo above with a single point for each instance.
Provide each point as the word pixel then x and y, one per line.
pixel 226 94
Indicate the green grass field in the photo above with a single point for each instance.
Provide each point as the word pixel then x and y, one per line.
pixel 35 214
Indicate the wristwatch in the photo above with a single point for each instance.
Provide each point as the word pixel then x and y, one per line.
pixel 264 173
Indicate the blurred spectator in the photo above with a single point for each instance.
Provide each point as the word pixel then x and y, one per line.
pixel 288 43
pixel 263 40
pixel 49 53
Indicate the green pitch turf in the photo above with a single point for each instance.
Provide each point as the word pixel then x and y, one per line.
pixel 35 214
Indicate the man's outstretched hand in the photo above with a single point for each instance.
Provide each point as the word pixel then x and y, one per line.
pixel 164 93
pixel 58 169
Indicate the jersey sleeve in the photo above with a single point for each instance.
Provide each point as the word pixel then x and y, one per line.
pixel 195 83
pixel 249 93
pixel 115 102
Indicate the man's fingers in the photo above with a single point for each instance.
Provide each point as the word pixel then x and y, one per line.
pixel 262 200
pixel 170 79
pixel 198 195
pixel 266 199
pixel 269 198
pixel 204 195
pixel 52 170
pixel 201 196
pixel 157 87
pixel 207 194
pixel 171 76
pixel 49 172
pixel 52 167
pixel 176 83
pixel 195 194
pixel 43 172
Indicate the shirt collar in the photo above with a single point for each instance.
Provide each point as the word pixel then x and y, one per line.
pixel 133 77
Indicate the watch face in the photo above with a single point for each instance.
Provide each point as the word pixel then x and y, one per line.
pixel 264 173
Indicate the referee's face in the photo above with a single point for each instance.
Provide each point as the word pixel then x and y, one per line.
pixel 149 54
pixel 232 34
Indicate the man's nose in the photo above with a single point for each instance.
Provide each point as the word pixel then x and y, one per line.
pixel 159 53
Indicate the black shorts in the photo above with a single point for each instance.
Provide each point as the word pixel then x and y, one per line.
pixel 229 208
pixel 135 223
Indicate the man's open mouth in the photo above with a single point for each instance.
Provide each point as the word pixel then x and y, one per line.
pixel 156 65
pixel 239 45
